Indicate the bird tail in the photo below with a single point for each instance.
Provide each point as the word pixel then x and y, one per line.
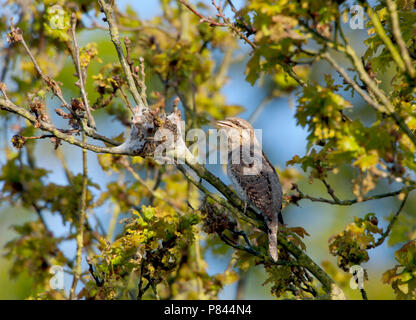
pixel 273 226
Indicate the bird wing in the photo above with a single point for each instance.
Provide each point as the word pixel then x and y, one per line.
pixel 262 190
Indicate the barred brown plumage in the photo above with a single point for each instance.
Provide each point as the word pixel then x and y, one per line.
pixel 253 176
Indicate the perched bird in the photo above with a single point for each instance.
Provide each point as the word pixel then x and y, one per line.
pixel 253 176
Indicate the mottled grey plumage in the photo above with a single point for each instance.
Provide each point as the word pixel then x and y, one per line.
pixel 256 183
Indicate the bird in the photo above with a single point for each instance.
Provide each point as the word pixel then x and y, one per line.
pixel 256 182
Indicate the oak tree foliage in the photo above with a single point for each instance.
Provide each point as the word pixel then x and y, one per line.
pixel 360 119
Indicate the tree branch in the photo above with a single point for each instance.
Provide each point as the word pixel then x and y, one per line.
pixel 211 22
pixel 372 102
pixel 45 126
pixel 91 121
pixel 301 195
pixel 387 41
pixel 330 190
pixel 391 224
pixel 115 38
pixel 82 219
pixel 392 6
pixel 388 107
pixel 48 80
pixel 126 164
pixel 302 258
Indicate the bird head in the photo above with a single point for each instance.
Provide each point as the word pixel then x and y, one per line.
pixel 233 122
pixel 237 129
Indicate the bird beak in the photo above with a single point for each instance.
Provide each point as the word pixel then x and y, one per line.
pixel 221 124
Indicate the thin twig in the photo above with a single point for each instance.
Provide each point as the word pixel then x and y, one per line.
pixel 221 75
pixel 142 82
pixel 392 6
pixel 91 121
pixel 11 107
pixel 241 284
pixel 209 20
pixel 155 290
pixel 330 190
pixel 82 219
pixel 61 156
pixel 139 286
pixel 157 183
pixel 3 90
pixel 6 63
pixel 259 109
pixel 115 38
pixel 39 213
pixel 236 30
pixel 363 294
pixel 54 86
pixel 391 224
pixel 48 81
pixel 385 38
pixel 126 164
pixel 301 195
pixel 372 102
pixel 97 280
pixel 124 96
